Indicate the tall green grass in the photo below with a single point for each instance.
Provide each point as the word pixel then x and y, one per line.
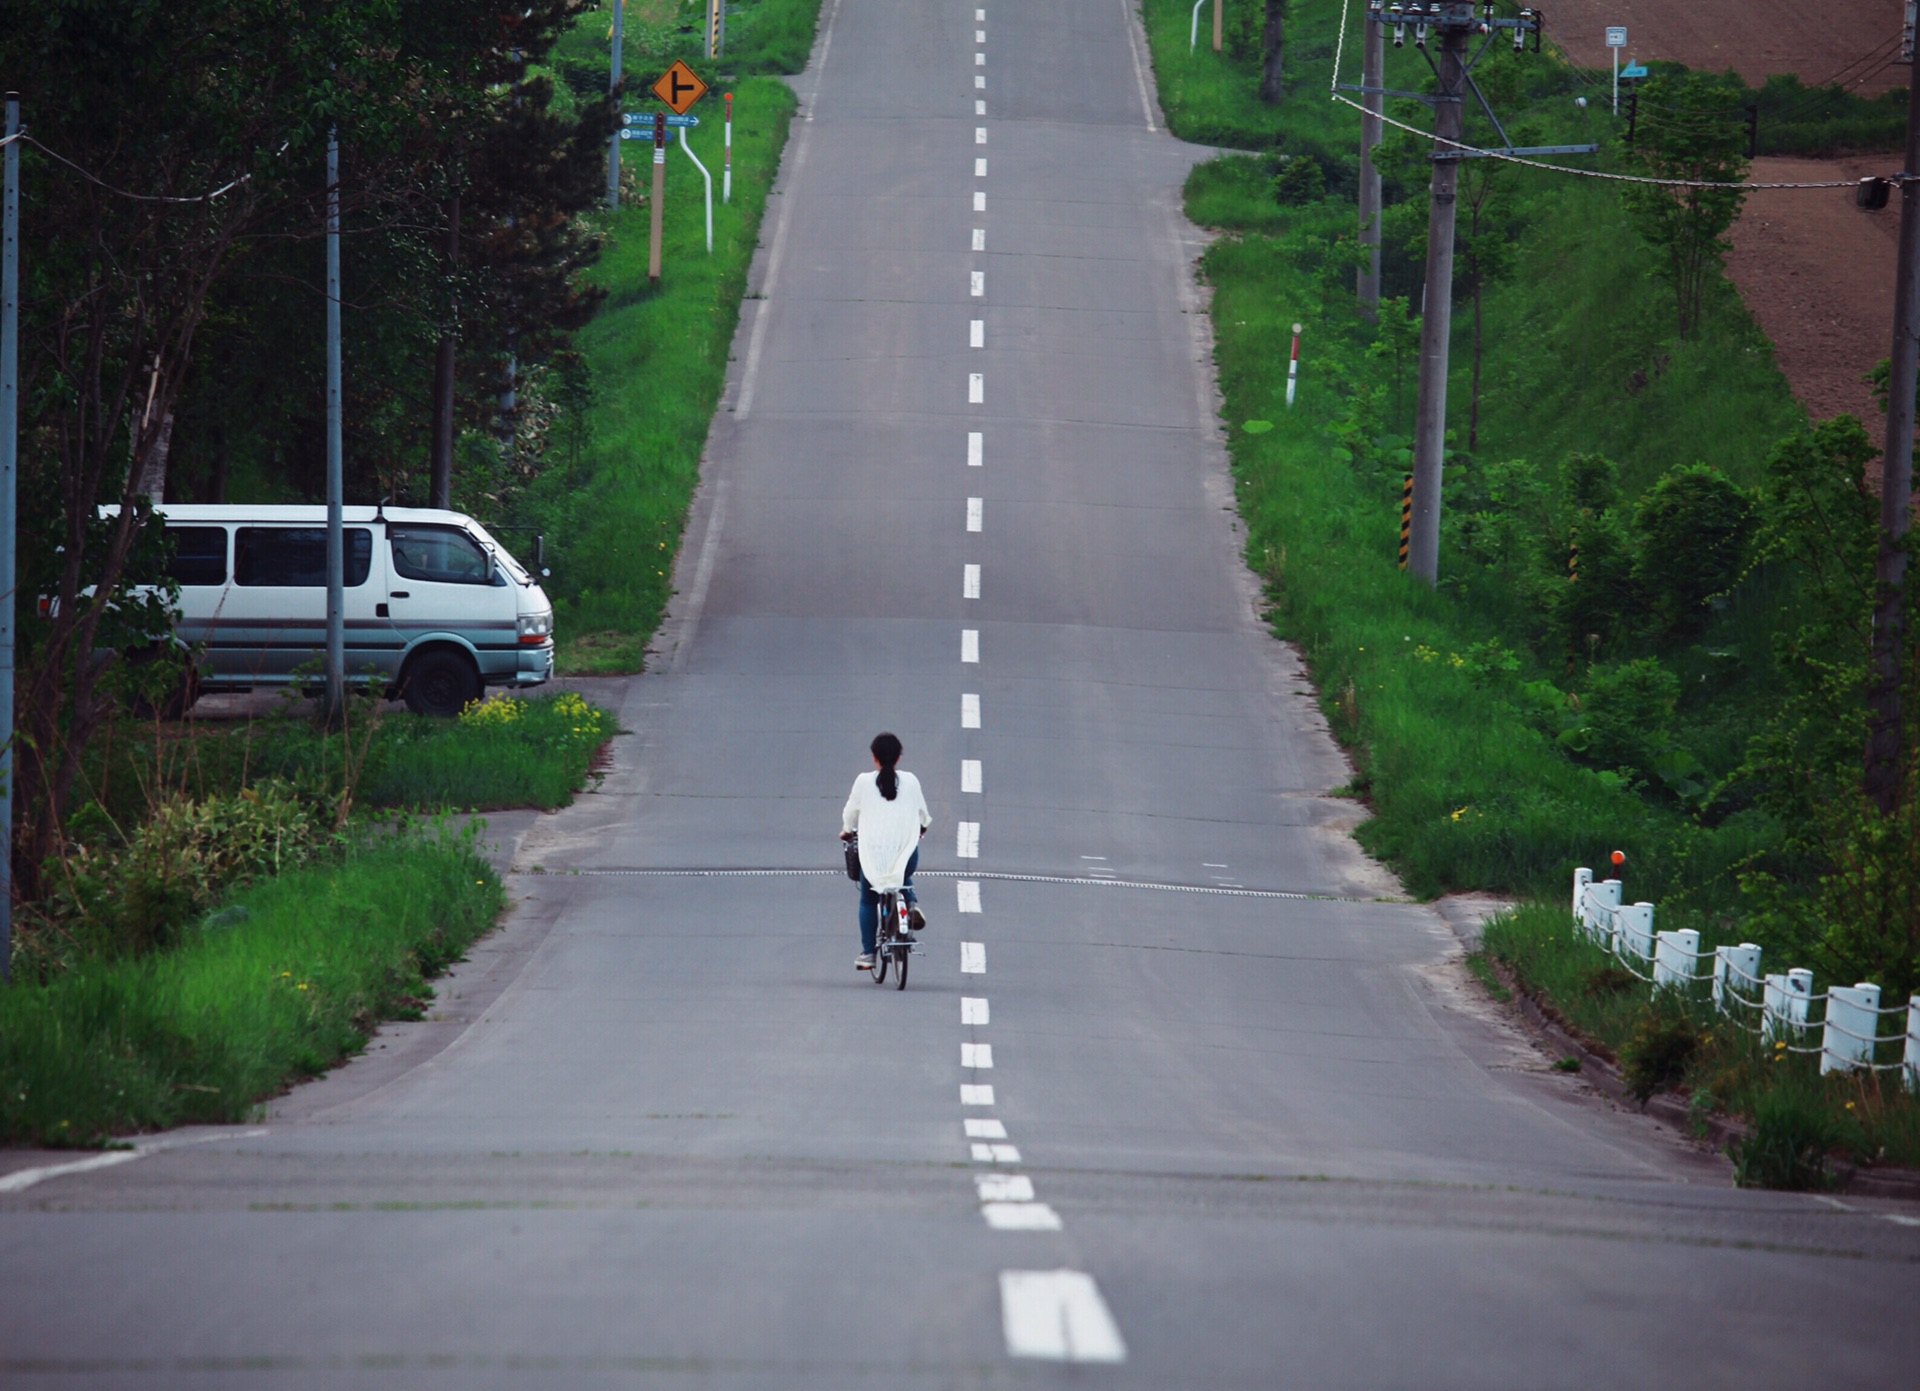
pixel 288 979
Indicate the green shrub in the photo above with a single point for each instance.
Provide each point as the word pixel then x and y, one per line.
pixel 1692 530
pixel 1657 1055
pixel 1793 1133
pixel 1300 180
pixel 1628 710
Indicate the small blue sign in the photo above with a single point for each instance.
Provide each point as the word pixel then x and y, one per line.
pixel 631 119
pixel 1634 70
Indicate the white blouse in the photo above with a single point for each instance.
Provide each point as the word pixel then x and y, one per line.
pixel 889 831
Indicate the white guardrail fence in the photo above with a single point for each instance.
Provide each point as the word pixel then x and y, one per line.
pixel 1781 1008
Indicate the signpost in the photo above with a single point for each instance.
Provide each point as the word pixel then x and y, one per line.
pixel 678 88
pixel 726 178
pixel 658 211
pixel 1616 40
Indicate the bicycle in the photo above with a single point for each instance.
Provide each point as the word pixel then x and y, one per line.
pixel 893 935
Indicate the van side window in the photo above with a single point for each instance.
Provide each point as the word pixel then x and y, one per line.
pixel 441 554
pixel 199 554
pixel 296 556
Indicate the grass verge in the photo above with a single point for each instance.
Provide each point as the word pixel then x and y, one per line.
pixel 286 980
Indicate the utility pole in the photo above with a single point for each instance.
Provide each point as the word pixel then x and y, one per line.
pixel 336 549
pixel 1219 23
pixel 613 87
pixel 1372 71
pixel 1883 772
pixel 9 458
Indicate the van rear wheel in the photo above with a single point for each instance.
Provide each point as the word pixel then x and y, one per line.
pixel 441 684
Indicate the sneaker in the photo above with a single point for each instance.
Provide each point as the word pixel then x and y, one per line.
pixel 916 919
pixel 863 962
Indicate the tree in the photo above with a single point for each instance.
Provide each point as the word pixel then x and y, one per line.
pixel 1486 250
pixel 1689 134
pixel 1272 51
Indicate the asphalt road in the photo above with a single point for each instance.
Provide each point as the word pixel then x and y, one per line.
pixel 1216 1108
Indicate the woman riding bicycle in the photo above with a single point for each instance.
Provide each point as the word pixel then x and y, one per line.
pixel 890 815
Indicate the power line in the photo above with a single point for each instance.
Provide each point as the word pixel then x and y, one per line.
pixel 93 178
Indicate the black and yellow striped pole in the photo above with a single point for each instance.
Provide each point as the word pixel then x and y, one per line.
pixel 1406 518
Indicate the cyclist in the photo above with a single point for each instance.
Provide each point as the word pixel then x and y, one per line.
pixel 890 815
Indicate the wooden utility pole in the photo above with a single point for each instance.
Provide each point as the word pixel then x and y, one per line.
pixel 1373 67
pixel 657 214
pixel 1219 23
pixel 1884 735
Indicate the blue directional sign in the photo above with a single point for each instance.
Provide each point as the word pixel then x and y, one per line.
pixel 1634 70
pixel 631 119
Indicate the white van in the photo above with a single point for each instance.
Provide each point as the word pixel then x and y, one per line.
pixel 435 607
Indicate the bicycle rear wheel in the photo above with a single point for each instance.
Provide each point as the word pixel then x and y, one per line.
pixel 900 967
pixel 883 940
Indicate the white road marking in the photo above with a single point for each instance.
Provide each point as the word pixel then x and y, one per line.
pixel 976 1055
pixel 979 135
pixel 975 508
pixel 979 35
pixel 980 200
pixel 979 60
pixel 984 1129
pixel 980 83
pixel 977 283
pixel 1208 864
pixel 968 895
pixel 976 1094
pixel 22 1179
pixel 973 1010
pixel 979 107
pixel 1020 1217
pixel 976 449
pixel 1003 1188
pixel 979 16
pixel 1057 1316
pixel 973 962
pixel 980 168
pixel 970 582
pixel 1901 1219
pixel 968 847
pixel 995 1154
pixel 979 239
pixel 969 710
pixel 976 333
pixel 976 388
pixel 1129 19
pixel 969 644
pixel 1093 857
pixel 969 775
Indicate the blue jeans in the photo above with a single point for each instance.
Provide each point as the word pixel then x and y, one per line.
pixel 870 904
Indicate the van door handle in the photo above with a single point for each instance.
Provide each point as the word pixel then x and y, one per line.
pixel 399 594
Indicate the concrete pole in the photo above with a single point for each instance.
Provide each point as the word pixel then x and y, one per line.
pixel 1883 771
pixel 657 217
pixel 336 550
pixel 1372 73
pixel 1436 322
pixel 9 457
pixel 1219 23
pixel 613 86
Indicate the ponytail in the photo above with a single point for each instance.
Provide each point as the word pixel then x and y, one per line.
pixel 886 748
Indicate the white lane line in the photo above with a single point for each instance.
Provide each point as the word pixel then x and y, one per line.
pixel 21 1179
pixel 976 333
pixel 970 582
pixel 975 508
pixel 976 388
pixel 974 1010
pixel 973 962
pixel 976 1055
pixel 1003 1188
pixel 980 168
pixel 969 710
pixel 1057 1316
pixel 968 847
pixel 980 83
pixel 976 449
pixel 979 107
pixel 979 35
pixel 995 1154
pixel 979 135
pixel 969 775
pixel 1093 857
pixel 979 60
pixel 977 283
pixel 1020 1217
pixel 979 239
pixel 1901 1220
pixel 967 895
pixel 1129 18
pixel 980 200
pixel 979 16
pixel 976 1094
pixel 1208 864
pixel 984 1129
pixel 970 645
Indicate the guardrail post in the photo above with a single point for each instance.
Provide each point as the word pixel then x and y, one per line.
pixel 1673 956
pixel 1912 1073
pixel 1599 905
pixel 1742 961
pixel 1581 878
pixel 1853 1025
pixel 1633 928
pixel 1787 998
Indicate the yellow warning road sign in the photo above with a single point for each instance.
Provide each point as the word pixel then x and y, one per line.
pixel 680 88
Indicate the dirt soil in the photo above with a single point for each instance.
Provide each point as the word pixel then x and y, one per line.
pixel 1822 40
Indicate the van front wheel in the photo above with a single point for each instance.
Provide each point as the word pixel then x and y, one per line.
pixel 441 684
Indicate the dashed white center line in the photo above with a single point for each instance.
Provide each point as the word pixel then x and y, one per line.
pixel 980 168
pixel 973 962
pixel 970 645
pixel 1003 1188
pixel 970 582
pixel 1057 1316
pixel 977 333
pixel 977 283
pixel 979 35
pixel 980 83
pixel 1208 864
pixel 969 775
pixel 979 239
pixel 983 1128
pixel 996 1154
pixel 968 846
pixel 974 506
pixel 979 16
pixel 968 896
pixel 1021 1217
pixel 976 1055
pixel 976 388
pixel 980 201
pixel 970 710
pixel 979 135
pixel 979 107
pixel 979 60
pixel 973 1010
pixel 976 449
pixel 976 1094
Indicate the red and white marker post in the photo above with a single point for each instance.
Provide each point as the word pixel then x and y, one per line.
pixel 726 175
pixel 1293 367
